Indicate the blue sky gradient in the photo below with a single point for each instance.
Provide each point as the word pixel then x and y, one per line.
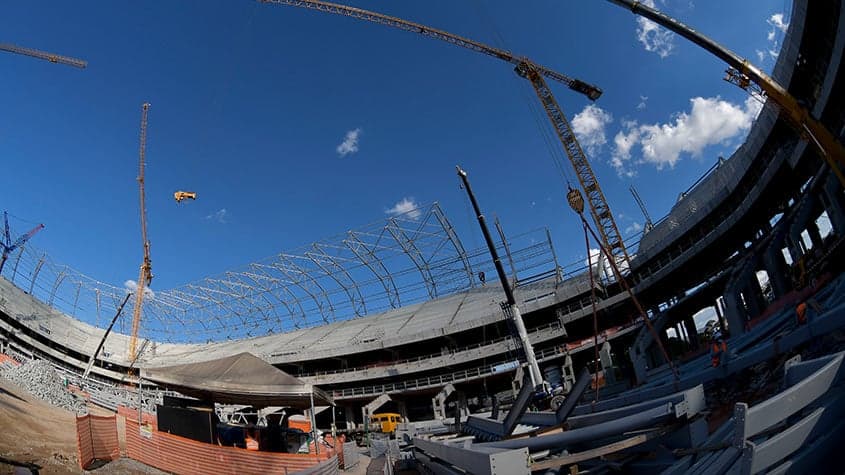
pixel 250 103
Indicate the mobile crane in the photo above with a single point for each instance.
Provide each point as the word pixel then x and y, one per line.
pixel 536 74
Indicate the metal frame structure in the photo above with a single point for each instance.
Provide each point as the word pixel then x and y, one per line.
pixel 408 258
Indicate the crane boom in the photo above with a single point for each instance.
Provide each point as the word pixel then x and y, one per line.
pixel 577 85
pixel 145 276
pixel 743 73
pixel 9 246
pixel 53 58
pixel 599 209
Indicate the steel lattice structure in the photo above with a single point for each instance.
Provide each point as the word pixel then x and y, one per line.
pixel 409 258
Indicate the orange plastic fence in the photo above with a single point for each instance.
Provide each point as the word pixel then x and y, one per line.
pixel 130 413
pixel 96 439
pixel 4 358
pixel 179 455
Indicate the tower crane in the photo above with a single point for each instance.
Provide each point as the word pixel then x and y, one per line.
pixel 536 75
pixel 53 58
pixel 145 276
pixel 8 245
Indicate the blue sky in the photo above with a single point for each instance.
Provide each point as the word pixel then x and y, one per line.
pixel 252 103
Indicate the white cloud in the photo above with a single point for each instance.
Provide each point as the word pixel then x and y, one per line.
pixel 778 25
pixel 634 228
pixel 710 121
pixel 642 104
pixel 219 216
pixel 405 205
pixel 350 143
pixel 589 125
pixel 776 21
pixel 653 37
pixel 132 286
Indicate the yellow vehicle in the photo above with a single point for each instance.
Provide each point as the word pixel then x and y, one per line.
pixel 385 422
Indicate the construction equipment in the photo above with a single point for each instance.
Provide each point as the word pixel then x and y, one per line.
pixel 145 276
pixel 183 195
pixel 747 76
pixel 53 58
pixel 8 245
pixel 649 224
pixel 105 335
pixel 535 73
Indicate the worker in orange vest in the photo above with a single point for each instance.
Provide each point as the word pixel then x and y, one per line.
pixel 251 440
pixel 717 348
pixel 801 311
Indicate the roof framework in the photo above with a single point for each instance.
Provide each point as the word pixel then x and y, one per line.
pixel 411 257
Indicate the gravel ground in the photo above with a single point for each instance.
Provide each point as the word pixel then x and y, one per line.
pixel 40 379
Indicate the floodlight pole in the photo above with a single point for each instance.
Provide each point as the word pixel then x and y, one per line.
pixel 510 308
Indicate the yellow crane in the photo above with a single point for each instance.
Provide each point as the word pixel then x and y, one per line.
pixel 145 276
pixel 53 58
pixel 751 78
pixel 536 74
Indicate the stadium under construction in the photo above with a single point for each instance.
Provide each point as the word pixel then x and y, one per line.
pixel 400 317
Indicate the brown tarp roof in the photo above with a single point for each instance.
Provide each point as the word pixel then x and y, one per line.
pixel 240 379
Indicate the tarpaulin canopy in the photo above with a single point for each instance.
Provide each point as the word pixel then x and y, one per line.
pixel 240 379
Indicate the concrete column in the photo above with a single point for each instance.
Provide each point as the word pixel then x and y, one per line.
pixel 834 204
pixel 751 295
pixel 734 313
pixel 815 235
pixel 403 410
pixel 777 269
pixel 692 333
pixel 607 362
pixel 350 414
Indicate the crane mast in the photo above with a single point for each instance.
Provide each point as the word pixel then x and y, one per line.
pixel 53 58
pixel 535 73
pixel 145 276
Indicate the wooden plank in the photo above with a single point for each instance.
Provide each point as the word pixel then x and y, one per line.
pixel 598 451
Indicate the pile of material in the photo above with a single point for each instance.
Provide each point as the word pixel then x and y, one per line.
pixel 39 378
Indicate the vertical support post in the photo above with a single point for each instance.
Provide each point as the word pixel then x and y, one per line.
pixel 313 421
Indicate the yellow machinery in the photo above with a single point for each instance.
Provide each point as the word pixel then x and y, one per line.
pixel 385 422
pixel 145 276
pixel 183 195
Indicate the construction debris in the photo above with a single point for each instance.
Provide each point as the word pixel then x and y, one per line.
pixel 40 379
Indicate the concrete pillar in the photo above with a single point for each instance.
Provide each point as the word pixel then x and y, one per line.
pixel 568 371
pixel 349 413
pixel 777 269
pixel 815 235
pixel 734 313
pixel 834 204
pixel 751 295
pixel 692 333
pixel 607 362
pixel 403 410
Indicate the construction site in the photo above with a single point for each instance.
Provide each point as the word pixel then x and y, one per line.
pixel 397 347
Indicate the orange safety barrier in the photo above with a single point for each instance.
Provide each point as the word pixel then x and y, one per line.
pixel 4 358
pixel 146 417
pixel 96 439
pixel 180 455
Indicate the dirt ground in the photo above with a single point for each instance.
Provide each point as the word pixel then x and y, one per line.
pixel 35 433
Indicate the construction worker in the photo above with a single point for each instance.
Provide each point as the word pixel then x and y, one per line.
pixel 801 312
pixel 718 347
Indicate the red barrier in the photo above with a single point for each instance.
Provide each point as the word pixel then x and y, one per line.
pixel 96 439
pixel 179 455
pixel 146 417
